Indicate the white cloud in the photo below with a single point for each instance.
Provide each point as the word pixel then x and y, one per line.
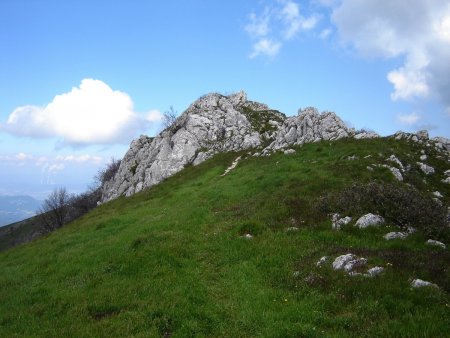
pixel 408 119
pixel 278 23
pixel 92 113
pixel 266 47
pixel 259 25
pixel 53 162
pixel 418 31
pixel 80 159
pixel 408 82
pixel 23 157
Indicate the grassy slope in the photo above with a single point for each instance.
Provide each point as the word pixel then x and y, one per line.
pixel 171 261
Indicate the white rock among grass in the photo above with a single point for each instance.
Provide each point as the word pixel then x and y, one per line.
pixel 291 229
pixel 248 236
pixel 369 220
pixel 435 243
pixel 419 283
pixel 375 271
pixel 395 160
pixel 426 169
pixel 447 180
pixel 348 262
pixel 437 194
pixel 337 222
pixel 322 260
pixel 289 151
pixel 340 261
pixel 395 235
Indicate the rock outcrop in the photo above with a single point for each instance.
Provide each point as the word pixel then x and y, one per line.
pixel 212 124
pixel 217 123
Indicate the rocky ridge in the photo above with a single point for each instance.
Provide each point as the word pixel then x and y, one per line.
pixel 217 123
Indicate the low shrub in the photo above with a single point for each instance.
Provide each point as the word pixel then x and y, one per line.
pixel 400 204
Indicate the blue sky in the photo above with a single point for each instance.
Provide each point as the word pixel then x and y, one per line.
pixel 80 79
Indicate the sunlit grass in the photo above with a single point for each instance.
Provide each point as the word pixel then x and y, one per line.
pixel 171 261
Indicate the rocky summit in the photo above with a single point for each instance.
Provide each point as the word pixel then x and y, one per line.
pixel 217 123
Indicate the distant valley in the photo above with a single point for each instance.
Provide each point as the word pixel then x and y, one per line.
pixel 17 208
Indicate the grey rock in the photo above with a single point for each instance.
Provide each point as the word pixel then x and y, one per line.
pixel 395 235
pixel 375 271
pixel 437 194
pixel 419 283
pixel 212 124
pixel 395 160
pixel 447 180
pixel 422 135
pixel 435 243
pixel 365 135
pixel 289 151
pixel 348 262
pixel 410 230
pixel 292 229
pixel 337 222
pixel 395 171
pixel 369 220
pixel 340 261
pixel 444 143
pixel 232 166
pixel 322 261
pixel 426 169
pixel 447 173
pixel 309 126
pixel 423 157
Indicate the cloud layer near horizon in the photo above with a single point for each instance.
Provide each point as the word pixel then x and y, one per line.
pixel 92 113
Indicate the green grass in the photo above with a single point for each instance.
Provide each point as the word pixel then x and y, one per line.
pixel 171 261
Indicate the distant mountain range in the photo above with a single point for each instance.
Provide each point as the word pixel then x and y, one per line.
pixel 17 208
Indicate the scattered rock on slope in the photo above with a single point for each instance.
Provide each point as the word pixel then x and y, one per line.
pixel 369 220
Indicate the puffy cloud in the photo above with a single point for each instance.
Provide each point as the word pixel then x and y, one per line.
pixel 408 119
pixel 417 31
pixel 277 24
pixel 92 113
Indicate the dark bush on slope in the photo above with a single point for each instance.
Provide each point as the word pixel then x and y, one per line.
pixel 402 205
